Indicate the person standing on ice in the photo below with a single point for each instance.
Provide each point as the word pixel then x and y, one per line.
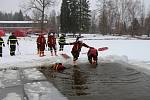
pixel 12 41
pixel 1 45
pixel 77 45
pixel 41 41
pixel 52 43
pixel 92 55
pixel 62 41
pixel 38 44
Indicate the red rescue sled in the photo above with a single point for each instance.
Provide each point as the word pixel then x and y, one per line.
pixel 102 49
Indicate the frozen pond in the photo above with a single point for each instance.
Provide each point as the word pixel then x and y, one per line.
pixel 106 81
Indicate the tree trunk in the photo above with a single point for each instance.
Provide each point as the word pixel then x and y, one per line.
pixel 42 20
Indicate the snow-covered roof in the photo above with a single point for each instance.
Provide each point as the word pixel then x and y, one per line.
pixel 21 22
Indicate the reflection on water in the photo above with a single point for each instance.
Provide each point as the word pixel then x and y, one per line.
pixel 79 81
pixel 106 79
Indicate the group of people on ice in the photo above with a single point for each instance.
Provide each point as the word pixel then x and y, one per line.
pixel 77 45
pixel 12 42
pixel 51 43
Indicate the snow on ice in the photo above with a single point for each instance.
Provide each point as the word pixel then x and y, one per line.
pixel 12 96
pixel 121 49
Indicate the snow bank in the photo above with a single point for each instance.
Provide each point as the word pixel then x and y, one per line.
pixel 12 96
pixel 119 50
pixel 43 91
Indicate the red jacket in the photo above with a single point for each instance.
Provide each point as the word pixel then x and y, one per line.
pixel 77 46
pixel 51 40
pixel 92 52
pixel 41 41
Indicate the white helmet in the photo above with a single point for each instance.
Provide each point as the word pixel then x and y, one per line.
pixel 51 33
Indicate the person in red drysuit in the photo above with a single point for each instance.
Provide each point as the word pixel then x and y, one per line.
pixel 58 67
pixel 41 43
pixel 77 45
pixel 92 55
pixel 52 43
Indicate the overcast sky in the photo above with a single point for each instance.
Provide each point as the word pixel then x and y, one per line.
pixel 14 5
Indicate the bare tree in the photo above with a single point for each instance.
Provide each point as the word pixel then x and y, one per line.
pixel 53 23
pixel 147 24
pixel 103 16
pixel 142 18
pixel 134 8
pixel 93 22
pixel 120 14
pixel 39 6
pixel 135 12
pixel 36 14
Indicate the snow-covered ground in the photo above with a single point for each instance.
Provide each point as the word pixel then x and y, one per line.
pixel 121 49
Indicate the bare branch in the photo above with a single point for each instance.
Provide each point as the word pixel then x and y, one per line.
pixel 40 2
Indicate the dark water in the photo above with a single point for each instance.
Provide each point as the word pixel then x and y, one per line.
pixel 109 81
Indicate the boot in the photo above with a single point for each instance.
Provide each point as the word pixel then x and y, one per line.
pixel 55 53
pixel 43 53
pixel 51 53
pixel 40 54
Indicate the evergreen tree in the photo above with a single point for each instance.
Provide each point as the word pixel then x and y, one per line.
pixel 20 16
pixel 17 16
pixel 1 15
pixel 64 17
pixel 84 16
pixel 75 16
pixel 10 16
pixel 6 17
pixel 73 22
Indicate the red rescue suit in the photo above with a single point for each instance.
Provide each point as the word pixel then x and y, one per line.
pixel 58 67
pixel 51 42
pixel 41 42
pixel 77 48
pixel 92 55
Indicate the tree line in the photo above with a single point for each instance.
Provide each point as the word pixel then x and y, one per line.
pixel 114 17
pixel 121 17
pixel 17 16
